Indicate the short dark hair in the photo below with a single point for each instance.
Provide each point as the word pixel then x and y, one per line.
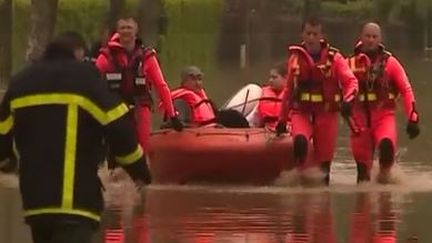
pixel 312 21
pixel 125 17
pixel 64 45
pixel 281 68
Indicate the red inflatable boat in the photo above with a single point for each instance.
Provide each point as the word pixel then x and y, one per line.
pixel 218 155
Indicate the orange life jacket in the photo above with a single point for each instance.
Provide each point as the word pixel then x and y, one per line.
pixel 200 105
pixel 270 105
pixel 375 88
pixel 314 85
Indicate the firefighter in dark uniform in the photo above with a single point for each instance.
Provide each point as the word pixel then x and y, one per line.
pixel 54 118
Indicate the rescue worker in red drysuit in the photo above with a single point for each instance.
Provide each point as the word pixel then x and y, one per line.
pixel 132 70
pixel 381 80
pixel 270 103
pixel 190 100
pixel 316 71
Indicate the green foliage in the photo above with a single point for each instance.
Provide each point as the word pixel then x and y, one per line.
pixel 192 35
pixel 193 25
pixel 353 9
pixel 83 16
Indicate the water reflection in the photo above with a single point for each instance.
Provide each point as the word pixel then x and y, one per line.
pixel 203 216
pixel 253 215
pixel 374 221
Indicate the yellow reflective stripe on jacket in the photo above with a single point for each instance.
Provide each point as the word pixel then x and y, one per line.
pixel 374 97
pixel 116 113
pixel 311 97
pixel 130 158
pixel 6 125
pixel 317 97
pixel 79 212
pixel 70 156
pixel 104 117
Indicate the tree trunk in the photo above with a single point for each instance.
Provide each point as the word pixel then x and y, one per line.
pixel 150 13
pixel 43 15
pixel 312 8
pixel 233 34
pixel 116 8
pixel 5 41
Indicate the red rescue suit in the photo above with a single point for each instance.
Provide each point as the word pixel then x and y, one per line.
pixel 199 104
pixel 381 81
pixel 132 75
pixel 269 106
pixel 313 93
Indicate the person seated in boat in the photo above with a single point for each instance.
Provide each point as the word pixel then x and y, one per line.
pixel 190 100
pixel 269 106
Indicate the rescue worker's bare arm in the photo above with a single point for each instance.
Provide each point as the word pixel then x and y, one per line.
pixel 154 73
pixel 348 80
pixel 397 73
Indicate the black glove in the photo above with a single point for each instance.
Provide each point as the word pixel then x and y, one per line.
pixel 346 109
pixel 412 129
pixel 281 128
pixel 177 124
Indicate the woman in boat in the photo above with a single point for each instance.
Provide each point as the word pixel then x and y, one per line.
pixel 269 106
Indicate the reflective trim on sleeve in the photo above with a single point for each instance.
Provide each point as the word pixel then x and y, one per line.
pixel 79 212
pixel 130 158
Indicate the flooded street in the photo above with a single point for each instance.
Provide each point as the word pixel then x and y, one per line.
pixel 344 212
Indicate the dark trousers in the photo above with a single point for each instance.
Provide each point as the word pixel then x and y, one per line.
pixel 65 232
